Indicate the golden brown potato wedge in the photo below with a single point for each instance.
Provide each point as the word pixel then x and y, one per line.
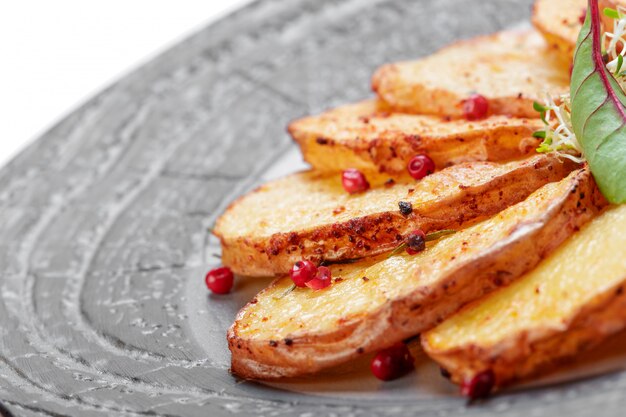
pixel 369 137
pixel 510 69
pixel 571 302
pixel 559 21
pixel 375 303
pixel 310 216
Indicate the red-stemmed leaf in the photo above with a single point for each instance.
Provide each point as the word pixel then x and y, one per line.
pixel 599 110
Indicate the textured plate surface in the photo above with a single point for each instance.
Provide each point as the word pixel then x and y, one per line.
pixel 104 243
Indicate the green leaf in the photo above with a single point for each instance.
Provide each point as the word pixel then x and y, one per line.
pixel 599 111
pixel 612 13
pixel 539 107
pixel 541 134
pixel 620 62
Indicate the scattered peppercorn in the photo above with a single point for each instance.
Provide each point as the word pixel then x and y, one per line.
pixel 420 166
pixel 583 15
pixel 392 363
pixel 354 181
pixel 322 279
pixel 219 280
pixel 390 183
pixel 302 272
pixel 479 386
pixel 415 242
pixel 475 107
pixel 406 208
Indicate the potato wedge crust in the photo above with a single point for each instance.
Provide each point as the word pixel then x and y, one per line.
pixel 309 215
pixel 510 69
pixel 571 302
pixel 375 303
pixel 559 23
pixel 369 137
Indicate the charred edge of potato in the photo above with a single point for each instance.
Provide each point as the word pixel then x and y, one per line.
pixel 423 308
pixel 381 232
pixel 391 151
pixel 539 354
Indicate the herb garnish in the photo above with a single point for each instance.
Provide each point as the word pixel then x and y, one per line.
pixel 558 135
pixel 287 291
pixel 591 120
pixel 599 103
pixel 429 237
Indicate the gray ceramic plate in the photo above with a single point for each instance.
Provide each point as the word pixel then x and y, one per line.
pixel 103 231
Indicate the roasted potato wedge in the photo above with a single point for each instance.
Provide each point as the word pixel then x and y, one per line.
pixel 510 69
pixel 559 21
pixel 375 303
pixel 571 302
pixel 310 216
pixel 369 137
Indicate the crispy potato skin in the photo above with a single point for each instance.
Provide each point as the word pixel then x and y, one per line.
pixel 416 307
pixel 559 23
pixel 519 359
pixel 369 137
pixel 510 69
pixel 374 232
pixel 550 335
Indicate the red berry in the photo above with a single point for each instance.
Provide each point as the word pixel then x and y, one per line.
pixel 322 279
pixel 354 181
pixel 302 272
pixel 583 16
pixel 220 280
pixel 479 386
pixel 415 242
pixel 420 166
pixel 392 363
pixel 475 107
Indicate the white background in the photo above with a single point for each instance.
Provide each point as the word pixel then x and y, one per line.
pixel 54 55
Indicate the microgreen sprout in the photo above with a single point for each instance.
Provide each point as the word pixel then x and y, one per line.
pixel 612 13
pixel 558 135
pixel 620 62
pixel 615 50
